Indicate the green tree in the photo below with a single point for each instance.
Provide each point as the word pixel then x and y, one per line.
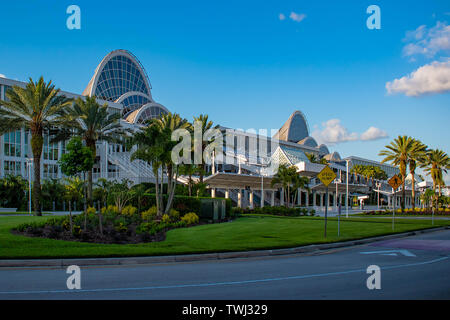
pixel 94 123
pixel 205 124
pixel 416 155
pixel 13 192
pixel 73 192
pixel 76 160
pixel 435 163
pixel 51 191
pixel 154 145
pixel 37 107
pixel 398 152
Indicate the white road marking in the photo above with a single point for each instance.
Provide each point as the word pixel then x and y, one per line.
pixel 406 253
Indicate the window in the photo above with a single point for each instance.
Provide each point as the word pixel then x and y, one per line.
pixel 12 143
pixel 12 167
pixel 50 171
pixel 50 149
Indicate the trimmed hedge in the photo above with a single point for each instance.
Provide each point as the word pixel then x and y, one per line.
pixel 183 204
pixel 278 211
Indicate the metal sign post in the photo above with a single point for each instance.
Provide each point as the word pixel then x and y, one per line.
pixel 339 219
pixel 393 208
pixel 326 176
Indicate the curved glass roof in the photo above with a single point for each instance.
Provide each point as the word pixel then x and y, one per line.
pixel 120 75
pixel 298 129
pixel 132 102
pixel 145 113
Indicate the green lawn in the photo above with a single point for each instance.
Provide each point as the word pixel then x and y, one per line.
pixel 246 233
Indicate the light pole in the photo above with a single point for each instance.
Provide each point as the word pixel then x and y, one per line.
pixel 346 185
pixel 29 164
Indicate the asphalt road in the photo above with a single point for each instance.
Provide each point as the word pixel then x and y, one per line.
pixel 421 270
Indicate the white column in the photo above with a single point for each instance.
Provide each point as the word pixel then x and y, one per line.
pixel 314 199
pixel 335 199
pixel 251 200
pixel 282 197
pixel 227 193
pixel 272 198
pixel 307 199
pixel 213 192
pixel 239 198
pixel 299 195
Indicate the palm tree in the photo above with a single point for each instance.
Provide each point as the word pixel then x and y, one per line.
pixel 299 182
pixel 154 145
pixel 286 177
pixel 416 155
pixel 399 153
pixel 38 107
pixel 94 124
pixel 205 126
pixel 166 125
pixel 436 162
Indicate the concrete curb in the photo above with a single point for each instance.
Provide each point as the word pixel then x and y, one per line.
pixel 303 250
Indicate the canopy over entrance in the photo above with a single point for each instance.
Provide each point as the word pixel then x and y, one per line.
pixel 224 180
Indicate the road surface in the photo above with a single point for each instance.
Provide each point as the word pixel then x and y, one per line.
pixel 415 267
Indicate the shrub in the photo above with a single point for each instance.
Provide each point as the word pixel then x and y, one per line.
pixel 174 215
pixel 129 210
pixel 190 218
pixel 165 218
pixel 110 209
pixel 149 214
pixel 91 211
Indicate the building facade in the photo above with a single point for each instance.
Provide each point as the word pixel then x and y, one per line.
pixel 122 83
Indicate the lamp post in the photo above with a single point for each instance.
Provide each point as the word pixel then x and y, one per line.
pixel 346 185
pixel 29 164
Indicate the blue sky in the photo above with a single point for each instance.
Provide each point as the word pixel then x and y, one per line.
pixel 244 66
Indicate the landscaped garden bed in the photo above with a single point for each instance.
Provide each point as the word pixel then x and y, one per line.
pixel 110 226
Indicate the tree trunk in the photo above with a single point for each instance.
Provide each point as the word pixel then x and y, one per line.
pixel 70 216
pixel 91 145
pixel 84 202
pixel 157 192
pixel 413 190
pixel 37 142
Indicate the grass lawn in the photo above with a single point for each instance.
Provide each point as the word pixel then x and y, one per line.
pixel 250 232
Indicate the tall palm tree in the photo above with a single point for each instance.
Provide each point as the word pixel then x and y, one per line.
pixel 154 145
pixel 398 152
pixel 167 124
pixel 417 155
pixel 94 123
pixel 436 162
pixel 38 107
pixel 285 177
pixel 206 124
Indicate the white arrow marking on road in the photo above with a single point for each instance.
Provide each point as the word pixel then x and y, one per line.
pixel 406 253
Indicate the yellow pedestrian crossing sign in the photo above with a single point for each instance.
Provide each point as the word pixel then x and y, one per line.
pixel 395 182
pixel 326 176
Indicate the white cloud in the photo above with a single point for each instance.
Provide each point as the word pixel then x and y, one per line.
pixel 428 79
pixel 2 76
pixel 333 132
pixel 428 41
pixel 297 17
pixel 373 134
pixel 281 16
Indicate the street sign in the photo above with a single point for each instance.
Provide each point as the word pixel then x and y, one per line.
pixel 326 176
pixel 395 182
